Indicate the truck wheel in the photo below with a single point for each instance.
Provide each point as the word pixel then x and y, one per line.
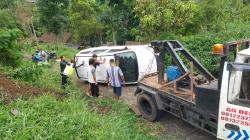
pixel 147 107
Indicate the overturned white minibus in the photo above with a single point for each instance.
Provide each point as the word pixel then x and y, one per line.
pixel 135 62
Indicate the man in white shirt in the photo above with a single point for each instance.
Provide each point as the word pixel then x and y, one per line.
pixel 94 89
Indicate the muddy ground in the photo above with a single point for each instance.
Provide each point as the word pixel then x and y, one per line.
pixel 11 89
pixel 174 129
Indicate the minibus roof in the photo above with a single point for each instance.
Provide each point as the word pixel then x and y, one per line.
pixel 109 49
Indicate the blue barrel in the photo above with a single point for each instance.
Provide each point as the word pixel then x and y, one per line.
pixel 173 73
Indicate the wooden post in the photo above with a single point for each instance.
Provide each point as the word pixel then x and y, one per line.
pixel 237 48
pixel 175 87
pixel 192 79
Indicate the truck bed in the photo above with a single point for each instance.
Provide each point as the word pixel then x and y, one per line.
pixel 200 109
pixel 152 82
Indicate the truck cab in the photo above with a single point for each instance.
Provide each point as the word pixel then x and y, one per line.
pixel 234 106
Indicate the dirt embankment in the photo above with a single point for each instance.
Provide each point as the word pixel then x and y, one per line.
pixel 10 90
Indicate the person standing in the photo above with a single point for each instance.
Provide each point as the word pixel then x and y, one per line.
pixel 94 89
pixel 63 64
pixel 115 78
pixel 97 62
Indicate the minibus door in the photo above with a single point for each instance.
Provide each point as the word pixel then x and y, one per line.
pixel 127 61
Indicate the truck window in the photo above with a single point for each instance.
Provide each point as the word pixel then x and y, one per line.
pixel 239 86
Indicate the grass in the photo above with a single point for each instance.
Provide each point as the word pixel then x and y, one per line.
pixel 47 118
pixel 74 117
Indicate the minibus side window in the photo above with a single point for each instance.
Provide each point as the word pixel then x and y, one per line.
pixel 239 87
pixel 98 51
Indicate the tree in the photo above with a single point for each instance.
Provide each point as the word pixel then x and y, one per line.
pixel 157 17
pixel 215 18
pixel 8 20
pixel 9 33
pixel 6 4
pixel 118 16
pixel 83 22
pixel 53 14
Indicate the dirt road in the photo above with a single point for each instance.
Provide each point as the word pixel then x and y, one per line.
pixel 174 129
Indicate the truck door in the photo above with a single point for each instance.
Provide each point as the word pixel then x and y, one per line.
pixel 234 109
pixel 129 66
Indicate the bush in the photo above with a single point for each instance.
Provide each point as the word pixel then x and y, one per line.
pixel 200 45
pixel 9 50
pixel 28 72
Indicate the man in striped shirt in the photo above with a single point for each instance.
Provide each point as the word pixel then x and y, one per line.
pixel 115 78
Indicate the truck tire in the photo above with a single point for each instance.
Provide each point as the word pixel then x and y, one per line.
pixel 147 107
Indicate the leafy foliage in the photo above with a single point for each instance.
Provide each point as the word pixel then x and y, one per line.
pixel 118 16
pixel 6 4
pixel 157 17
pixel 53 14
pixel 213 17
pixel 84 25
pixel 201 44
pixel 8 20
pixel 28 72
pixel 9 50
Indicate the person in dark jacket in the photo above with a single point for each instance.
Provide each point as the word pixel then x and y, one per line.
pixel 98 62
pixel 63 64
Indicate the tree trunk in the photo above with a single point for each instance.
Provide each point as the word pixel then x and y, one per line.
pixel 34 31
pixel 114 36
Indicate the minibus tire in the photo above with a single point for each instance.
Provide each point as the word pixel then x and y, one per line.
pixel 147 107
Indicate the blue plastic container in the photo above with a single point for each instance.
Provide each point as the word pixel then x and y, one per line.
pixel 173 73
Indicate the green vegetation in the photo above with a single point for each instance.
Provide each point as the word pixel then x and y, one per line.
pixel 72 118
pixel 9 49
pixel 53 14
pixel 9 33
pixel 83 22
pixel 196 23
pixel 200 44
pixel 44 76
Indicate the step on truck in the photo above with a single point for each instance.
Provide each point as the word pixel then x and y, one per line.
pixel 190 92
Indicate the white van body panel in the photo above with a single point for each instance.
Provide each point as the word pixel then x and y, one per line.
pixel 145 59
